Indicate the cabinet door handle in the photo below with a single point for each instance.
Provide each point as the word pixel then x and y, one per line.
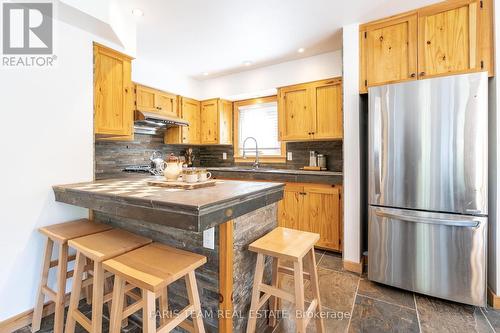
pixel 412 75
pixel 422 73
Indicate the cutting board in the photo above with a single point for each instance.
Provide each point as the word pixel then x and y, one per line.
pixel 183 185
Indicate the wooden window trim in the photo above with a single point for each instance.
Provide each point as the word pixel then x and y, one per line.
pixel 265 159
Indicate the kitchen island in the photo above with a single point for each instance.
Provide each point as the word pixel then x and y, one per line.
pixel 218 222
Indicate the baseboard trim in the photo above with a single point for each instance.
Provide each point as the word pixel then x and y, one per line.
pixel 493 299
pixel 351 266
pixel 24 318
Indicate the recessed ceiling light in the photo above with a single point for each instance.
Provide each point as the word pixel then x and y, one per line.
pixel 247 63
pixel 137 12
pixel 301 50
pixel 205 73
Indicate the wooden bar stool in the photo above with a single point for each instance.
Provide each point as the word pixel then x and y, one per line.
pixel 98 248
pixel 293 245
pixel 59 234
pixel 152 268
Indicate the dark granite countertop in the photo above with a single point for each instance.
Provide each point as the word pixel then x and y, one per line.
pixel 280 175
pixel 194 210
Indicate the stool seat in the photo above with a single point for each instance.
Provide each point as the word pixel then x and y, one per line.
pixel 63 232
pixel 285 243
pixel 98 248
pixel 154 266
pixel 108 244
pixel 60 234
pixel 297 246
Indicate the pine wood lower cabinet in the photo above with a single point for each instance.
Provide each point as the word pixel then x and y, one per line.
pixel 315 208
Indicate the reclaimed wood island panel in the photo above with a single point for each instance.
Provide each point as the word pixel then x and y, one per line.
pixel 240 212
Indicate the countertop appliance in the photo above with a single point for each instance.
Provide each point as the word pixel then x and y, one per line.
pixel 139 169
pixel 427 179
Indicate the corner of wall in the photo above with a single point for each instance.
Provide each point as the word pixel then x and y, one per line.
pixel 352 156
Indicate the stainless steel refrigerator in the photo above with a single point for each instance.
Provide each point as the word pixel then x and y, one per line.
pixel 427 182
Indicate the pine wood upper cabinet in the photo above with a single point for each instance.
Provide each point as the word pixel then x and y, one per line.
pixel 314 208
pixel 388 51
pixel 225 122
pixel 113 93
pixel 145 98
pixel 327 104
pixel 153 100
pixel 311 111
pixel 209 121
pixel 448 38
pixel 296 115
pixel 189 109
pixel 216 121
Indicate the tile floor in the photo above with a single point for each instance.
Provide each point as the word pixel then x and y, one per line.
pixel 354 304
pixel 358 305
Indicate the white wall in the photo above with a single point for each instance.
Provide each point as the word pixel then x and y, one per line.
pixel 351 148
pixel 493 165
pixel 264 81
pixel 162 77
pixel 46 139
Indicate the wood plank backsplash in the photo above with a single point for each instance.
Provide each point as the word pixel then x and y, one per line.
pixel 112 156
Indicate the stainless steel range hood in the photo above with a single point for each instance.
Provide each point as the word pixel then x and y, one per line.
pixel 152 122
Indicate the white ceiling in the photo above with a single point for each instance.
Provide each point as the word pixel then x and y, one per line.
pixel 217 36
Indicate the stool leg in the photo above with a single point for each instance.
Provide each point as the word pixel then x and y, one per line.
pixel 194 299
pixel 62 270
pixel 299 296
pixel 88 289
pixel 37 313
pixel 320 325
pixel 163 306
pixel 117 305
pixel 257 281
pixel 97 297
pixel 273 302
pixel 148 312
pixel 75 292
pixel 108 288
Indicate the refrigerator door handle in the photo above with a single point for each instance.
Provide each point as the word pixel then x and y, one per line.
pixel 377 146
pixel 449 222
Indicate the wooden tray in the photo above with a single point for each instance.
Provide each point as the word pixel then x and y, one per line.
pixel 316 168
pixel 183 185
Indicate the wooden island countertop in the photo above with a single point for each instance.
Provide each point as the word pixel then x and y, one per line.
pixel 193 210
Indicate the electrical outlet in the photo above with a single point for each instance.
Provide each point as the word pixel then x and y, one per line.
pixel 224 156
pixel 289 156
pixel 209 238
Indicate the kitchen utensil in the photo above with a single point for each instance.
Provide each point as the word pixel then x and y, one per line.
pixel 189 157
pixel 312 158
pixel 203 175
pixel 322 161
pixel 190 175
pixel 157 163
pixel 173 168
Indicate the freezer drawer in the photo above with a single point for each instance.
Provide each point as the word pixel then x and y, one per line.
pixel 428 144
pixel 442 255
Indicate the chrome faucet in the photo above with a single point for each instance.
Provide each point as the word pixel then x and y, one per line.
pixel 256 163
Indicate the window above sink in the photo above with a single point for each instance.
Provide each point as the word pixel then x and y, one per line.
pixel 258 118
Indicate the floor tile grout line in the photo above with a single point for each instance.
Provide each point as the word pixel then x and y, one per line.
pixel 418 316
pixel 353 304
pixel 384 301
pixel 487 320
